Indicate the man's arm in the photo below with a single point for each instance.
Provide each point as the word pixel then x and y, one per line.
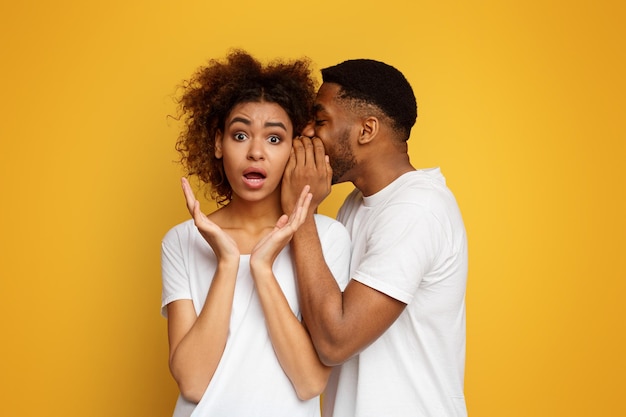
pixel 340 324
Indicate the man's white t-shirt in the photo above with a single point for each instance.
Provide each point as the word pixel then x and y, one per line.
pixel 409 242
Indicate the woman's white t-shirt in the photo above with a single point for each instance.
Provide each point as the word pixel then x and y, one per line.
pixel 249 380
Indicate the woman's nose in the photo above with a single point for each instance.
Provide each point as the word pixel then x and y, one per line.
pixel 255 150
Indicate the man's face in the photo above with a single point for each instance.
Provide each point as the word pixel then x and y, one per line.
pixel 336 127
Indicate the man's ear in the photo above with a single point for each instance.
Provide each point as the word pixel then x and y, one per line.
pixel 218 144
pixel 369 130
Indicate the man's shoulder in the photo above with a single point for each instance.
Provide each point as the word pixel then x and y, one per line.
pixel 420 187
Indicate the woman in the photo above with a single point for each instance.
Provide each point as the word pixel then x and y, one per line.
pixel 237 345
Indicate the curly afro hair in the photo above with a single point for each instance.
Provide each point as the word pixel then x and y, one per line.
pixel 212 92
pixel 374 82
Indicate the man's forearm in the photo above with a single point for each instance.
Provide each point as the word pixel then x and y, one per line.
pixel 320 295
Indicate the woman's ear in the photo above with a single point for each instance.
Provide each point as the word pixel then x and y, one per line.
pixel 369 129
pixel 218 144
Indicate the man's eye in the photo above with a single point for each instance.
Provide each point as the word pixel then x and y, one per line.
pixel 240 136
pixel 273 139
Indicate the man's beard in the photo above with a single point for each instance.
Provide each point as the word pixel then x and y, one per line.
pixel 343 159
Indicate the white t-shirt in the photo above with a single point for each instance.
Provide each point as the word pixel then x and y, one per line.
pixel 249 380
pixel 409 242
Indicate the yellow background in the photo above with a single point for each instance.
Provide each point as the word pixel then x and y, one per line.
pixel 521 104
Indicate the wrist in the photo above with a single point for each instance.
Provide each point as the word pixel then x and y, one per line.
pixel 306 229
pixel 228 264
pixel 260 269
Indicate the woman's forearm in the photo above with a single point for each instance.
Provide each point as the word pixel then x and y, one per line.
pixel 197 343
pixel 290 339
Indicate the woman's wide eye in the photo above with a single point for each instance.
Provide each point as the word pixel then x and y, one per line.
pixel 273 139
pixel 240 136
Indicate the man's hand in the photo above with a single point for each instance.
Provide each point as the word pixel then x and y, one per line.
pixel 308 165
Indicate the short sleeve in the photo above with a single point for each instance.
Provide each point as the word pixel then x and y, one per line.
pixel 402 244
pixel 174 275
pixel 336 248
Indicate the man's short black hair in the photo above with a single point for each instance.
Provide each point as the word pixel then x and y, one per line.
pixel 377 83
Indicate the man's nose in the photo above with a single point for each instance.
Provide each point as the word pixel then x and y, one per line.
pixel 309 129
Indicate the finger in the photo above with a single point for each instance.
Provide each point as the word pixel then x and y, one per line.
pixel 309 151
pixel 291 163
pixel 190 198
pixel 306 205
pixel 299 215
pixel 298 149
pixel 320 154
pixel 195 210
pixel 282 221
pixel 197 214
pixel 300 203
pixel 329 169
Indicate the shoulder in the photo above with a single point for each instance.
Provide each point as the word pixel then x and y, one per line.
pixel 323 221
pixel 425 188
pixel 181 231
pixel 330 230
pixel 418 200
pixel 426 181
pixel 327 224
pixel 355 196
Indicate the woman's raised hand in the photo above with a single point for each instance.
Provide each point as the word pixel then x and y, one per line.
pixel 268 248
pixel 222 244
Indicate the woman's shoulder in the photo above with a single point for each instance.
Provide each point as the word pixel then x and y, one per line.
pixel 328 226
pixel 321 220
pixel 181 230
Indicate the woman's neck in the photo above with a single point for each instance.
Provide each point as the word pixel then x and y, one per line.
pixel 248 221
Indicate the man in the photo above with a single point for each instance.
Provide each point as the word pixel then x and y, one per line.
pixel 398 328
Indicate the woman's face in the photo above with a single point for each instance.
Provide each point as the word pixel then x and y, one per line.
pixel 255 147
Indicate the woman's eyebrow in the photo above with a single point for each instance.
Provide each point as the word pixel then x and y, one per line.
pixel 240 120
pixel 248 123
pixel 276 124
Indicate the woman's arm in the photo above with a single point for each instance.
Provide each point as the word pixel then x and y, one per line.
pixel 290 339
pixel 197 342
